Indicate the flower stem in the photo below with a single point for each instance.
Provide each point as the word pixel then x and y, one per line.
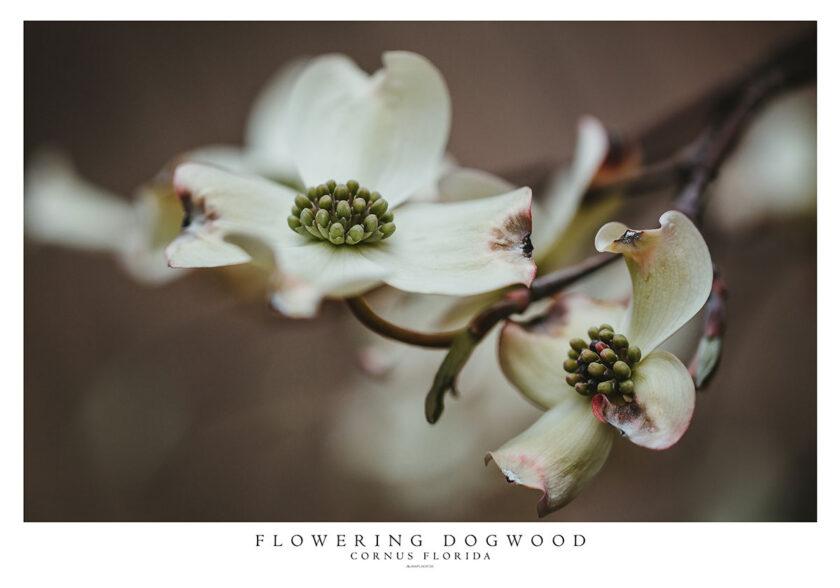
pixel 368 317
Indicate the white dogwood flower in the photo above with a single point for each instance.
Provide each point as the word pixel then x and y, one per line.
pixel 362 145
pixel 617 380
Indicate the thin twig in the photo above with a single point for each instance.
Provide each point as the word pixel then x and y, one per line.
pixel 368 317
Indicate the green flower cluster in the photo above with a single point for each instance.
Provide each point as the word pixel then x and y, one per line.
pixel 602 366
pixel 342 214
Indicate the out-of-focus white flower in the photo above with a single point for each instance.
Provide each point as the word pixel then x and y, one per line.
pixel 773 173
pixel 62 208
pixel 619 378
pixel 383 133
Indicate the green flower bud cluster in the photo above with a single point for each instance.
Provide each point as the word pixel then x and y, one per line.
pixel 343 214
pixel 602 366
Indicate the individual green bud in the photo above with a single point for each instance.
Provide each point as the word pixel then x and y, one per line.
pixel 302 201
pixel 593 332
pixel 363 193
pixel 322 190
pixel 296 210
pixel 620 341
pixel 336 234
pixel 322 218
pixel 341 192
pixel 387 217
pixel 355 234
pixel 578 344
pixel 342 209
pixel 330 185
pixel 606 387
pixel 588 356
pixel 353 186
pixel 359 205
pixel 570 365
pixel 313 193
pixel 388 230
pixel 634 354
pixel 371 223
pixel 572 354
pixel 325 202
pixel 621 370
pixel 375 196
pixel 294 222
pixel 596 370
pixel 306 217
pixel 573 379
pixel 608 356
pixel 605 335
pixel 379 207
pixel 626 387
pixel 582 388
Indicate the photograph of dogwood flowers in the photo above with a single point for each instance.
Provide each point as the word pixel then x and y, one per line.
pixel 420 271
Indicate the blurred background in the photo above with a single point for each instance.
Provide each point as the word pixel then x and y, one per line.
pixel 183 402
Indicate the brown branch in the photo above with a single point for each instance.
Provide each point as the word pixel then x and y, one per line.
pixel 368 317
pixel 732 111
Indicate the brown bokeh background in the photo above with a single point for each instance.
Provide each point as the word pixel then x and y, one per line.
pixel 183 403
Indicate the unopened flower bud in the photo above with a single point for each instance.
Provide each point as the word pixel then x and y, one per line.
pixel 596 370
pixel 621 370
pixel 363 193
pixel 342 193
pixel 330 185
pixel 574 379
pixel 593 332
pixel 342 209
pixel 588 356
pixel 322 218
pixel 302 201
pixel 620 341
pixel 606 387
pixel 306 217
pixel 570 365
pixel 577 344
pixel 582 388
pixel 336 234
pixel 634 354
pixel 388 230
pixel 353 186
pixel 609 356
pixel 370 223
pixel 626 387
pixel 359 205
pixel 605 335
pixel 375 196
pixel 325 202
pixel 355 234
pixel 379 207
pixel 294 222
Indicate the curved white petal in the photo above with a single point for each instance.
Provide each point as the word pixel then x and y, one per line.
pixel 267 130
pixel 314 270
pixel 531 354
pixel 459 248
pixel 566 188
pixel 157 220
pixel 671 271
pixel 558 454
pixel 388 130
pixel 64 209
pixel 463 183
pixel 664 403
pixel 220 204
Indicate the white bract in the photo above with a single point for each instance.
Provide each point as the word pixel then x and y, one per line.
pixel 387 133
pixel 671 273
